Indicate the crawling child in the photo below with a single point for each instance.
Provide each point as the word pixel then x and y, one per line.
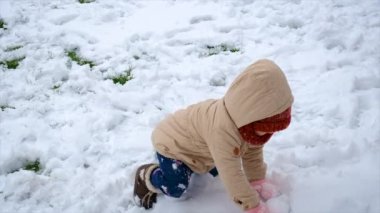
pixel 223 137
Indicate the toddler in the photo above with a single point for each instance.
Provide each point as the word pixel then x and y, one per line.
pixel 223 137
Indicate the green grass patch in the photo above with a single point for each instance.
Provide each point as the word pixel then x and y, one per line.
pixel 13 63
pixel 3 24
pixel 33 166
pixel 217 49
pixel 123 78
pixel 73 55
pixel 13 48
pixel 85 1
pixel 56 87
pixel 4 107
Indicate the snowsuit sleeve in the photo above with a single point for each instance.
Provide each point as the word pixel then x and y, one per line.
pixel 226 154
pixel 253 163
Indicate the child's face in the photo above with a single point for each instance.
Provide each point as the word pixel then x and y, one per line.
pixel 260 133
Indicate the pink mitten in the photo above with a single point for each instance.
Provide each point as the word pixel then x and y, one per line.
pixel 261 208
pixel 265 188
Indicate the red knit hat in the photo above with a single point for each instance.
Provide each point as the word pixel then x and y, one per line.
pixel 275 123
pixel 272 124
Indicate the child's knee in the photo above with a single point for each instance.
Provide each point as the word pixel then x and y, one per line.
pixel 177 191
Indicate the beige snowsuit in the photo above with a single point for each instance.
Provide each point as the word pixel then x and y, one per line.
pixel 206 134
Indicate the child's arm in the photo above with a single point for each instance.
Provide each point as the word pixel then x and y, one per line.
pixel 226 154
pixel 255 169
pixel 253 163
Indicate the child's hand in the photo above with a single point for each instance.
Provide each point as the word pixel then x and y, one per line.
pixel 261 208
pixel 265 188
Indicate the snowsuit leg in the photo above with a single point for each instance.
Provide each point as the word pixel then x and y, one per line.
pixel 172 177
pixel 214 172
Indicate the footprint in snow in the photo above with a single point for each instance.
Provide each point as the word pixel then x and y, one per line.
pixel 64 19
pixel 366 83
pixel 172 33
pixel 199 19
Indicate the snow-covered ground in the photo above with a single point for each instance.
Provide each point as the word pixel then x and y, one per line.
pixel 90 134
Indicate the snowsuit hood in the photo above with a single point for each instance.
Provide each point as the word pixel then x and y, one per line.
pixel 259 92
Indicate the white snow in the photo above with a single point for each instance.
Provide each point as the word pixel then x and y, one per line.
pixel 174 166
pixel 90 134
